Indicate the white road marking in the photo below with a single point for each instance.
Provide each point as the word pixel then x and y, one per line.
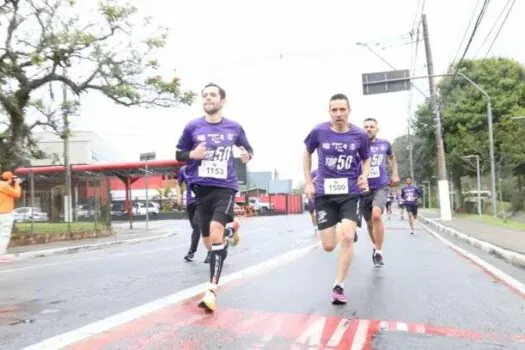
pixel 104 325
pixel 105 257
pixel 511 281
pixel 361 333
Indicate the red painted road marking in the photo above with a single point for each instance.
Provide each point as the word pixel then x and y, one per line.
pixel 185 326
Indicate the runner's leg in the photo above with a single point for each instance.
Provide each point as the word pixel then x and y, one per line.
pixel 195 234
pixel 221 214
pixel 378 205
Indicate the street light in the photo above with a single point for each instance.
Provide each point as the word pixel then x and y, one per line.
pixel 478 175
pixel 443 197
pixel 518 118
pixel 491 145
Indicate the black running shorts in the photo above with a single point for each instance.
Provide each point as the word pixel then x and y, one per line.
pixel 411 208
pixel 213 204
pixel 331 209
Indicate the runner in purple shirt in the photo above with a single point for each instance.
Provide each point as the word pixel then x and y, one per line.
pixel 340 147
pixel 206 145
pixel 374 203
pixel 182 180
pixel 411 194
pixel 311 205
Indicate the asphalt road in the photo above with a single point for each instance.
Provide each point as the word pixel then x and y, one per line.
pixel 426 297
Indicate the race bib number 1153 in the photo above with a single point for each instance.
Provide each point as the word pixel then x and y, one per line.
pixel 214 169
pixel 336 186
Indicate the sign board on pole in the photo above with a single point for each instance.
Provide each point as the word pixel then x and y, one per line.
pixel 147 156
pixel 385 82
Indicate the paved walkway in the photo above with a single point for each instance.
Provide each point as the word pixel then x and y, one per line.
pixel 120 236
pixel 503 237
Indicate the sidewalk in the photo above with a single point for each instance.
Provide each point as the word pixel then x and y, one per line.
pixel 508 240
pixel 121 236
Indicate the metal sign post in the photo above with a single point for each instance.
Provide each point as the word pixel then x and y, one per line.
pixel 144 157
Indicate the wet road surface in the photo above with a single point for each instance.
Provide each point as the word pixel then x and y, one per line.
pixel 277 296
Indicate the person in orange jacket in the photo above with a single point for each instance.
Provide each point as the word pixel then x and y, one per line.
pixel 10 191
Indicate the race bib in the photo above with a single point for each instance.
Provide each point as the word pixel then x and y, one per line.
pixel 374 172
pixel 411 198
pixel 336 186
pixel 213 169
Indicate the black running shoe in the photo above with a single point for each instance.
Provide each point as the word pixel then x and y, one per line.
pixel 189 256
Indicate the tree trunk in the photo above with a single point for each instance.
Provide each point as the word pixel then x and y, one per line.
pixel 12 144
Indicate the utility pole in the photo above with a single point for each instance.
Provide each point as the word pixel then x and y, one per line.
pixel 410 149
pixel 65 137
pixel 444 199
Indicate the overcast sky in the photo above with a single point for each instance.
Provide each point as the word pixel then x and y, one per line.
pixel 280 61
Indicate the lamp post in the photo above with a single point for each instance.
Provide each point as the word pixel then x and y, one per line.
pixel 478 176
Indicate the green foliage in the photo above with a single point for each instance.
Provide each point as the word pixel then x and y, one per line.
pixel 56 41
pixel 464 114
pixel 423 159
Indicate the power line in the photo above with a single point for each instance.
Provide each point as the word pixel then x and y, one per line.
pixel 466 31
pixel 493 27
pixel 502 24
pixel 473 34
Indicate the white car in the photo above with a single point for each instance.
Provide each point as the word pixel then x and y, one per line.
pixel 140 209
pixel 25 214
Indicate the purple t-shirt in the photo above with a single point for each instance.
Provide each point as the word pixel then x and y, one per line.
pixel 183 178
pixel 339 156
pixel 314 174
pixel 378 177
pixel 410 194
pixel 218 166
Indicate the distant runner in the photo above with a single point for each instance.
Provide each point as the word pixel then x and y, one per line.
pixel 411 194
pixel 311 205
pixel 401 205
pixel 388 204
pixel 182 179
pixel 340 148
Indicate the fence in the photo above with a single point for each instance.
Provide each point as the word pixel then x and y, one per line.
pixel 97 200
pixel 42 208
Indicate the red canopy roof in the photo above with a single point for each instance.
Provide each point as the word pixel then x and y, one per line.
pixel 110 169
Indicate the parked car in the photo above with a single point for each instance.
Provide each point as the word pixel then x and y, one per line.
pixel 139 208
pixel 25 214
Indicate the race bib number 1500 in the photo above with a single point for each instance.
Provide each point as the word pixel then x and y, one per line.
pixel 336 186
pixel 213 169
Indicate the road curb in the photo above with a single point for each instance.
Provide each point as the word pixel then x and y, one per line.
pixel 510 256
pixel 82 247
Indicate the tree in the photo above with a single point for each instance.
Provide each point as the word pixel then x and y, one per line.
pixel 423 162
pixel 55 41
pixel 464 114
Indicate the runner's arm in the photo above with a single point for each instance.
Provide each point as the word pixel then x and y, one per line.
pixel 393 163
pixel 307 167
pixel 242 141
pixel 311 143
pixel 184 146
pixel 364 155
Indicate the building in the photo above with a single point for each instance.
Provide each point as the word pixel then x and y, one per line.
pixel 85 147
pixel 267 181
